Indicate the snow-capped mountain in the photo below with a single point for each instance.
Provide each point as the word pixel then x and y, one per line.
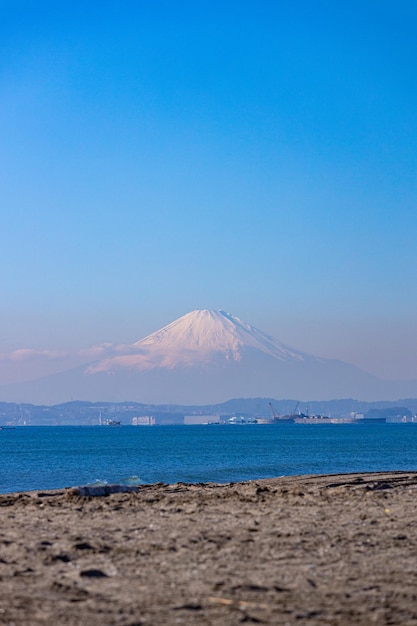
pixel 207 357
pixel 196 339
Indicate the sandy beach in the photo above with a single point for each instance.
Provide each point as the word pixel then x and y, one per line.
pixel 339 549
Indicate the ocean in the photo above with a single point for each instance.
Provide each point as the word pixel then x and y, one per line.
pixel 37 458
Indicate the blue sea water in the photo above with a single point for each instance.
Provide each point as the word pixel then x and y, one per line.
pixel 34 458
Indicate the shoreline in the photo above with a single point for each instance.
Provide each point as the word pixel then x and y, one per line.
pixel 106 489
pixel 314 549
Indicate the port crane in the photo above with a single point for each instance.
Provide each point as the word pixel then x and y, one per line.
pixel 274 414
pixel 282 419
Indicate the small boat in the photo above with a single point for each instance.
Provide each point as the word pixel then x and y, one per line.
pixel 113 423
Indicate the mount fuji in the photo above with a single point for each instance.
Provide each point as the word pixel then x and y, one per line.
pixel 197 340
pixel 206 357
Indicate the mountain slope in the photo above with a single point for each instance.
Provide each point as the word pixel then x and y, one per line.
pixel 198 338
pixel 208 357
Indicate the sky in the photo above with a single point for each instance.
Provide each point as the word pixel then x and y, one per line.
pixel 160 157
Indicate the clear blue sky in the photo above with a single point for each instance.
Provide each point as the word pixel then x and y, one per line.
pixel 259 157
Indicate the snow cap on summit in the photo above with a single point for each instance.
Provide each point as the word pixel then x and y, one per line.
pixel 196 338
pixel 206 330
pixel 201 329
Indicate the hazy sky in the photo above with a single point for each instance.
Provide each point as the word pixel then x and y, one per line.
pixel 163 156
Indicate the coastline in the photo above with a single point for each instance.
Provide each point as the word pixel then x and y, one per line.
pixel 328 549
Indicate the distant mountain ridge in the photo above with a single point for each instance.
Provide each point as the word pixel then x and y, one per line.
pixel 208 357
pixel 93 413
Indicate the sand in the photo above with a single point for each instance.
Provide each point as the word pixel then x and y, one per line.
pixel 339 549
